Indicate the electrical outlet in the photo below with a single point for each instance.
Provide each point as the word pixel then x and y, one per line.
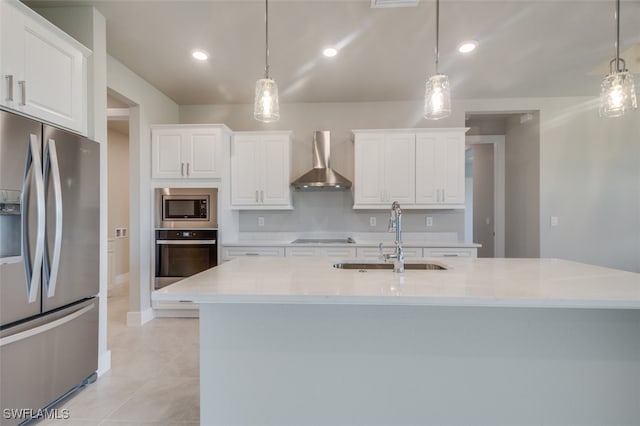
pixel 260 221
pixel 372 221
pixel 554 221
pixel 429 221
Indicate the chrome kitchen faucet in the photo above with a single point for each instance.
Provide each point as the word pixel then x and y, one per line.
pixel 395 224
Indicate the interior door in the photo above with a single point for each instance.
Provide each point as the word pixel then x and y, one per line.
pixel 72 165
pixel 16 134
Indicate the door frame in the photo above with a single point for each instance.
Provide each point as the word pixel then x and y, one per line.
pixel 498 142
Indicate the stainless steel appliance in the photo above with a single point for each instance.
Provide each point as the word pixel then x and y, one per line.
pixel 182 253
pixel 321 176
pixel 49 265
pixel 186 208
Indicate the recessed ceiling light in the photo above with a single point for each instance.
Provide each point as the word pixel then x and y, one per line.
pixel 200 55
pixel 467 46
pixel 330 52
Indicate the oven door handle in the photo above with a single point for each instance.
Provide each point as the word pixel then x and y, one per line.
pixel 186 242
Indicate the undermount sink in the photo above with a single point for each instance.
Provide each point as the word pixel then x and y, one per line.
pixel 365 266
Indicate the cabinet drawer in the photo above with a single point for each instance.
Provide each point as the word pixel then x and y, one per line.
pixel 450 252
pixel 321 251
pixel 231 252
pixel 409 253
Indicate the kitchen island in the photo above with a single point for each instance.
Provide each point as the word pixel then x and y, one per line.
pixel 294 341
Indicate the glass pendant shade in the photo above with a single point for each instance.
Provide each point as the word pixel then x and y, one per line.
pixel 437 97
pixel 617 94
pixel 266 107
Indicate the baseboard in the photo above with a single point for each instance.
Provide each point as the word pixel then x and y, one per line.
pixel 139 318
pixel 104 362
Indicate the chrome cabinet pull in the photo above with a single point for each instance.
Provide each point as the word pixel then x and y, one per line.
pixel 181 169
pixel 261 196
pixel 187 169
pixel 9 79
pixel 23 91
pixel 256 195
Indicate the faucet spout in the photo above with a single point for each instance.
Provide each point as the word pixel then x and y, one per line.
pixel 395 224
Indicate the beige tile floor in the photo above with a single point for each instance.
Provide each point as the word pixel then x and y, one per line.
pixel 153 378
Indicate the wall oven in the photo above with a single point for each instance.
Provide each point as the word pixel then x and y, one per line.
pixel 182 253
pixel 186 235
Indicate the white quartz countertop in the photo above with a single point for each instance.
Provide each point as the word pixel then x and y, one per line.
pixel 539 283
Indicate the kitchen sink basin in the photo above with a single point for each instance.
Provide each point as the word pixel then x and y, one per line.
pixel 407 266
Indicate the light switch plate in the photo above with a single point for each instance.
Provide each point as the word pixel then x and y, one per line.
pixel 554 221
pixel 372 221
pixel 429 221
pixel 260 221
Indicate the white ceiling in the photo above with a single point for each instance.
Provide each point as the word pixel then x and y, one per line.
pixel 526 48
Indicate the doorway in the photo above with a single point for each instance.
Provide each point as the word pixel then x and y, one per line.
pixel 514 140
pixel 118 189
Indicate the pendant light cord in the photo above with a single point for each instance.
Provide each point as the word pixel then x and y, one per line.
pixel 438 32
pixel 618 36
pixel 266 38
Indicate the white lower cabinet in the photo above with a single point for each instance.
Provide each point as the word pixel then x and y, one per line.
pixel 233 252
pixel 374 252
pixel 342 252
pixel 450 252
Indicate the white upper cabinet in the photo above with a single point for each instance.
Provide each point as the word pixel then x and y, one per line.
pixel 44 70
pixel 440 168
pixel 384 169
pixel 261 170
pixel 419 168
pixel 188 151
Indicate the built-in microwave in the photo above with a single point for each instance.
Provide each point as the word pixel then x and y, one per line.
pixel 186 208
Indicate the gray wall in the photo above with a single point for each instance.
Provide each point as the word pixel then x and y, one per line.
pixel 321 211
pixel 118 194
pixel 483 198
pixel 522 188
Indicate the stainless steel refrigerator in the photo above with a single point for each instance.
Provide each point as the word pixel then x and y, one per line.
pixel 49 265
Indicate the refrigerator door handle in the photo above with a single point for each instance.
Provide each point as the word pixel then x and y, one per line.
pixel 45 327
pixel 52 168
pixel 33 271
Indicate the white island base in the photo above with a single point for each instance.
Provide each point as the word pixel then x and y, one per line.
pixel 418 365
pixel 487 342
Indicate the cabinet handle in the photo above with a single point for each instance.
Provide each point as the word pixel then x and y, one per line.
pixel 252 254
pixel 262 196
pixel 181 169
pixel 9 79
pixel 444 195
pixel 23 90
pixel 256 195
pixel 187 169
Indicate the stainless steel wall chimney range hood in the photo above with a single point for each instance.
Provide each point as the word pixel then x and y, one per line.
pixel 322 176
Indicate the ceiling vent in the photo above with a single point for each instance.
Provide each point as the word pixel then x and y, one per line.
pixel 394 3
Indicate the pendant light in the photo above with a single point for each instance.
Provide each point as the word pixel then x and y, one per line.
pixel 437 96
pixel 266 107
pixel 618 91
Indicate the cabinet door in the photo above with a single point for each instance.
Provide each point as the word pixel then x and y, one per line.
pixel 246 167
pixel 427 169
pixel 44 74
pixel 369 169
pixel 452 150
pixel 276 166
pixel 399 168
pixel 167 154
pixel 440 169
pixel 202 149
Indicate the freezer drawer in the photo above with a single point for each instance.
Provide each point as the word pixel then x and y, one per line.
pixel 45 358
